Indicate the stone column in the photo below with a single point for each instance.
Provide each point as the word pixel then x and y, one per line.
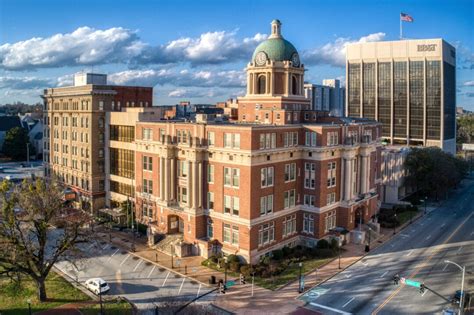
pixel 194 188
pixel 161 178
pixel 167 179
pixel 189 183
pixel 248 83
pixel 172 179
pixel 347 178
pixel 200 179
pixel 363 174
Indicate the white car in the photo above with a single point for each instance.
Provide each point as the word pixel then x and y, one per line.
pixel 97 285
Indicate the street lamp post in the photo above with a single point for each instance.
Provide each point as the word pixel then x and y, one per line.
pixel 461 299
pixel 367 249
pixel 301 271
pixel 225 270
pixel 339 255
pixel 395 223
pixel 101 306
pixel 29 306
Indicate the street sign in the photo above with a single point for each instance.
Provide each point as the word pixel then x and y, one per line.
pixel 230 283
pixel 412 283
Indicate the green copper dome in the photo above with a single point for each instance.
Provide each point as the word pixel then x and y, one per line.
pixel 276 47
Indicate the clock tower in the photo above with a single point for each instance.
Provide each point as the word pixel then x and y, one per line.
pixel 275 80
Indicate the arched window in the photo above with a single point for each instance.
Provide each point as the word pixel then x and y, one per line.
pixel 261 84
pixel 294 86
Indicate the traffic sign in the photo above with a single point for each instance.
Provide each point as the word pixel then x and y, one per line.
pixel 230 283
pixel 412 283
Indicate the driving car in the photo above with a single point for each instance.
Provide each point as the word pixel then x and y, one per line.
pixel 97 285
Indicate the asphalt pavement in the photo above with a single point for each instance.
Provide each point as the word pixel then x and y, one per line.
pixel 417 252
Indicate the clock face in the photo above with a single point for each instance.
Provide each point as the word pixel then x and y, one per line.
pixel 261 58
pixel 295 59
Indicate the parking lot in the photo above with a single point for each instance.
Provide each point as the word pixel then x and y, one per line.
pixel 144 283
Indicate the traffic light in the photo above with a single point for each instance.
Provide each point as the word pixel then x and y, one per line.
pixel 242 279
pixel 422 288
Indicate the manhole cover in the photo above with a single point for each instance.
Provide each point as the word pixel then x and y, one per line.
pixel 177 276
pixel 135 258
pixel 161 269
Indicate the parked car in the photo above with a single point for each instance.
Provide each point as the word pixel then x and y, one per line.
pixel 97 285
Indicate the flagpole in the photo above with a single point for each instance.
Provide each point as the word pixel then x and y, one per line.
pixel 401 28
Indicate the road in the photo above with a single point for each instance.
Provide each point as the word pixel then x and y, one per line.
pixel 418 252
pixel 142 282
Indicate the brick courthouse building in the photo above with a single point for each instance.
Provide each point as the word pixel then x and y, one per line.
pixel 281 174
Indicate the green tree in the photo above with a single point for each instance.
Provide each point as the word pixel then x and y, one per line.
pixel 15 144
pixel 465 129
pixel 31 241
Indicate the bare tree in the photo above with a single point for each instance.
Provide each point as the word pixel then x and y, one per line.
pixel 37 229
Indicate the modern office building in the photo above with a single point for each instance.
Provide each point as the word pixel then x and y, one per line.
pixel 328 97
pixel 74 134
pixel 409 86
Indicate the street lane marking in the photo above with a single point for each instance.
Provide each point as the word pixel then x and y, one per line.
pixel 110 258
pixel 383 274
pixel 348 302
pixel 124 260
pixel 105 247
pixel 409 253
pixel 425 293
pixel 181 286
pixel 423 264
pixel 428 237
pixel 459 250
pixel 329 308
pixel 442 225
pixel 446 266
pixel 199 289
pixel 166 279
pixel 152 269
pixel 404 235
pixel 139 263
pixel 90 246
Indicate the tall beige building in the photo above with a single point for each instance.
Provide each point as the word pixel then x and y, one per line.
pixel 74 132
pixel 409 86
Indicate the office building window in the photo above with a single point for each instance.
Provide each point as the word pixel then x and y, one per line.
pixel 266 233
pixel 123 133
pixel 354 90
pixel 182 168
pixel 231 177
pixel 232 140
pixel 210 200
pixel 121 188
pixel 268 140
pixel 417 88
pixel 210 229
pixel 227 233
pixel 266 204
pixel 309 200
pixel 384 97
pixel 289 198
pixel 289 225
pixel 290 172
pixel 122 162
pixel 368 90
pixel 400 96
pixel 210 174
pixel 433 100
pixel 147 186
pixel 290 139
pixel 147 134
pixel 210 139
pixel 331 198
pixel 449 74
pixel 308 223
pixel 147 163
pixel 331 182
pixel 182 194
pixel 309 175
pixel 231 205
pixel 329 221
pixel 332 138
pixel 310 139
pixel 235 235
pixel 266 176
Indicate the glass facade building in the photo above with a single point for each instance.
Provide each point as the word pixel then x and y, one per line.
pixel 408 86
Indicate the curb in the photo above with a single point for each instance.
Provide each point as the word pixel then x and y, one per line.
pixel 75 283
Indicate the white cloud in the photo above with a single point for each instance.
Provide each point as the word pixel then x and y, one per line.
pixel 209 48
pixel 179 78
pixel 24 83
pixel 334 53
pixel 468 83
pixel 191 93
pixel 83 46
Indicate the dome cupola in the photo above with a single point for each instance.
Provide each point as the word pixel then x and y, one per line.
pixel 275 48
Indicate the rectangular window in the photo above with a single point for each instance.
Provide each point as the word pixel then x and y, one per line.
pixel 210 200
pixel 182 194
pixel 147 134
pixel 289 225
pixel 308 223
pixel 227 233
pixel 290 172
pixel 182 168
pixel 210 138
pixel 331 182
pixel 309 200
pixel 332 138
pixel 289 198
pixel 310 139
pixel 210 173
pixel 231 205
pixel 235 235
pixel 227 176
pixel 331 198
pixel 266 175
pixel 266 233
pixel 232 140
pixel 309 175
pixel 266 204
pixel 210 229
pixel 147 186
pixel 101 105
pixel 267 140
pixel 147 163
pixel 330 221
pixel 235 177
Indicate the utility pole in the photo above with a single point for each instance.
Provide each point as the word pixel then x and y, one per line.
pixel 461 299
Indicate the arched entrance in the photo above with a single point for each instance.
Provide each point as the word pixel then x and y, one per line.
pixel 175 224
pixel 359 216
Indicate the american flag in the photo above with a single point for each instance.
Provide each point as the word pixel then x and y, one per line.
pixel 405 17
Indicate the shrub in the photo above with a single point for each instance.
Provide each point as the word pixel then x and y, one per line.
pixel 277 254
pixel 233 258
pixel 334 244
pixel 264 260
pixel 323 244
pixel 214 259
pixel 325 253
pixel 287 251
pixel 246 270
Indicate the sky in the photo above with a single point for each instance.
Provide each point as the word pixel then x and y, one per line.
pixel 198 50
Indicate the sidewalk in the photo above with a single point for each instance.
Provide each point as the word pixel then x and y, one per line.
pixel 239 299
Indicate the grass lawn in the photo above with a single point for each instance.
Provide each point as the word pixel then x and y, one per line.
pixel 13 300
pixel 110 308
pixel 405 216
pixel 289 274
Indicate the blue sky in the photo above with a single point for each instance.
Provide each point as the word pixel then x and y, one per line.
pixel 197 50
